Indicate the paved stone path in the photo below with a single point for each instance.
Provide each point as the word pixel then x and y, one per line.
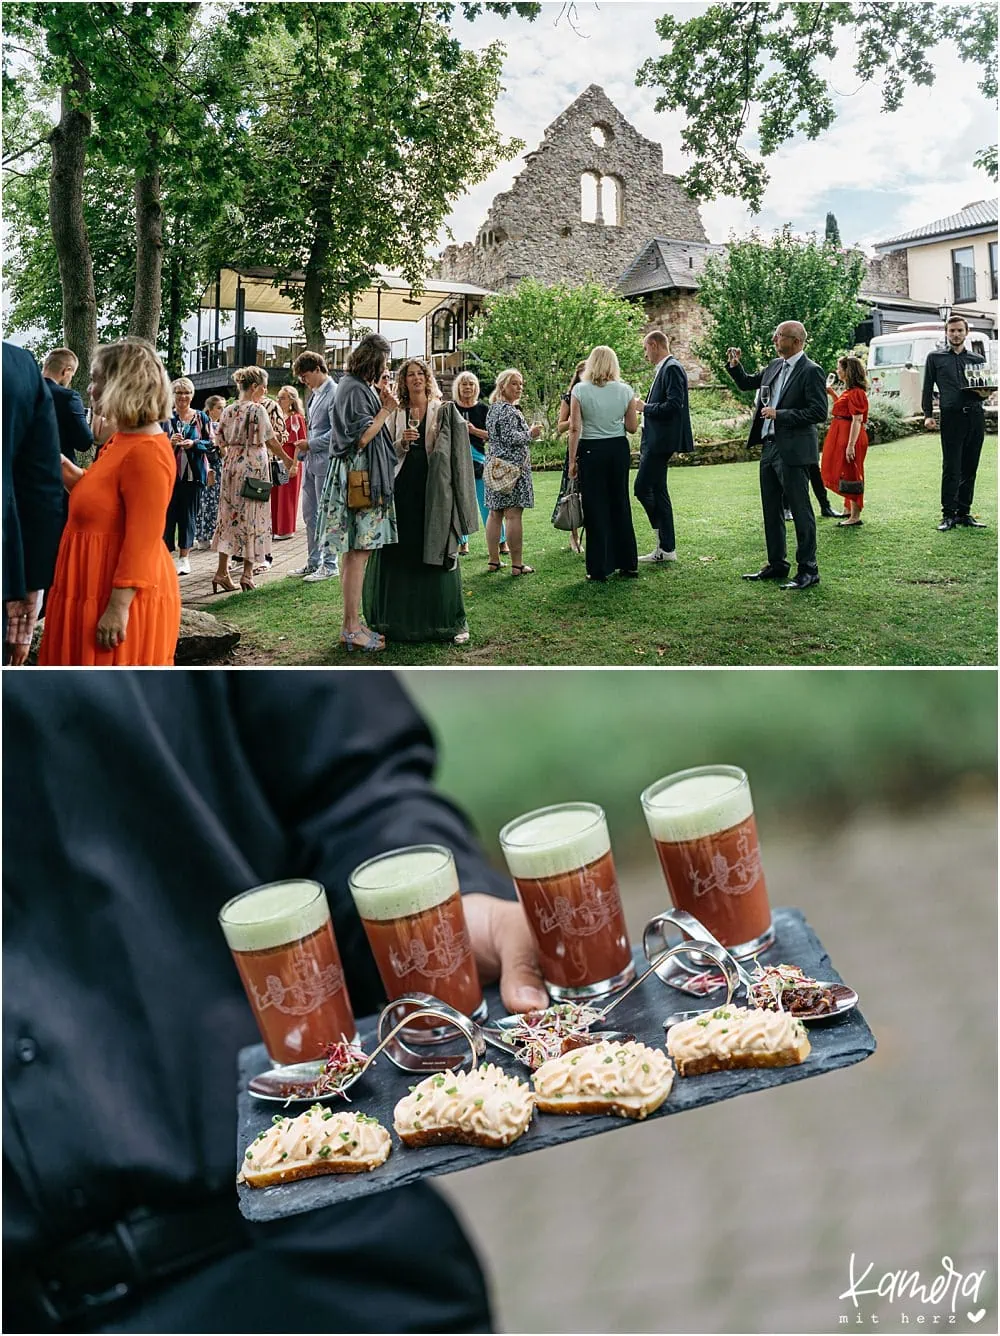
pixel 196 588
pixel 742 1217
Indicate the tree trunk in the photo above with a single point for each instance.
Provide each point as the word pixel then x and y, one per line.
pixel 69 228
pixel 145 321
pixel 314 291
pixel 175 351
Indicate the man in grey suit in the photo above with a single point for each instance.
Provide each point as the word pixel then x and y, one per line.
pixel 666 428
pixel 785 429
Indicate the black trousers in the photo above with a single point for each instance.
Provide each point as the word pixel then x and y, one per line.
pixel 781 484
pixel 395 1262
pixel 651 493
pixel 182 514
pixel 962 431
pixel 818 486
pixel 603 469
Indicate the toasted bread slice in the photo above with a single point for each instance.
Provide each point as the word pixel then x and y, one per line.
pixel 627 1079
pixel 319 1141
pixel 481 1108
pixel 731 1037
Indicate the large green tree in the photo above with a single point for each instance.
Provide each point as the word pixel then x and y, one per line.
pixel 762 281
pixel 545 329
pixel 766 62
pixel 365 124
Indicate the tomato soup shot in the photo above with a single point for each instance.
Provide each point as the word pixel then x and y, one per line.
pixel 703 827
pixel 564 872
pixel 410 904
pixel 282 942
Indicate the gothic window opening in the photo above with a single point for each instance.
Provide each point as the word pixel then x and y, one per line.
pixel 443 332
pixel 600 134
pixel 610 200
pixel 590 186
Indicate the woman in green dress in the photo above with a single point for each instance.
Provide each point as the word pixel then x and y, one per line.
pixel 405 598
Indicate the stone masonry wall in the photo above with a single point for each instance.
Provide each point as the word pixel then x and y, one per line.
pixel 888 275
pixel 535 229
pixel 683 321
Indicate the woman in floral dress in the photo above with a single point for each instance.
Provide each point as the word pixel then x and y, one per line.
pixel 249 440
pixel 510 440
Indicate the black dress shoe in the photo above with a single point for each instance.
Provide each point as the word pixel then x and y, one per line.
pixel 830 514
pixel 803 580
pixel 970 522
pixel 767 573
pixel 949 522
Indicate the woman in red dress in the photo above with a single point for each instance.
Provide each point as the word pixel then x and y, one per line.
pixel 285 499
pixel 846 441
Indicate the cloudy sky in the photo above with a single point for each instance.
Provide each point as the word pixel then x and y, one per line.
pixel 880 174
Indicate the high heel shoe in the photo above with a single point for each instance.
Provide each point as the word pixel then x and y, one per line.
pixel 225 586
pixel 247 583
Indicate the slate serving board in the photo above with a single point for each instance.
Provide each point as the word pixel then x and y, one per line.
pixel 836 1043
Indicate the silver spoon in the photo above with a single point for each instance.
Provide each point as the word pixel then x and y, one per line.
pixel 654 937
pixel 296 1083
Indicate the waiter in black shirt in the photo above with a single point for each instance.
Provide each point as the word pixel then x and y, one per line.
pixel 124 1013
pixel 963 423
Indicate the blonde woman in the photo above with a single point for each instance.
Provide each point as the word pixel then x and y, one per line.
pixel 249 441
pixel 465 393
pixel 285 499
pixel 407 596
pixel 510 440
pixel 602 410
pixel 115 598
pixel 191 437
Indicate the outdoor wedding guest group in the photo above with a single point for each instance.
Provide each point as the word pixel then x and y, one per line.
pixel 393 479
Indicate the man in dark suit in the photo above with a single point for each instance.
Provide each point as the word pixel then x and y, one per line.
pixel 666 428
pixel 785 429
pixel 59 369
pixel 32 497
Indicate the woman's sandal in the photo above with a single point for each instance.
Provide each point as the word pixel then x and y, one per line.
pixel 494 566
pixel 246 583
pixel 522 570
pixel 364 639
pixel 225 586
pixel 462 638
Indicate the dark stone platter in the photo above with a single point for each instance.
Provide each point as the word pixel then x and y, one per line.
pixel 839 1042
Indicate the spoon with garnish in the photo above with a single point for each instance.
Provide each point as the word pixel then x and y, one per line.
pixel 536 1036
pixel 324 1080
pixel 769 987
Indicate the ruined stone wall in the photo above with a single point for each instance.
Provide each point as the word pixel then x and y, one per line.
pixel 536 228
pixel 684 322
pixel 888 275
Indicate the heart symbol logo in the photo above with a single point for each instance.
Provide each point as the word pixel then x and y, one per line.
pixel 978 1316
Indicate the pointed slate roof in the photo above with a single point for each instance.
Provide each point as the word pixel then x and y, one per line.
pixel 666 263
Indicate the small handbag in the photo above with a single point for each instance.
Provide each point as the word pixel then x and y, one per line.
pixel 851 487
pixel 279 472
pixel 256 489
pixel 569 509
pixel 500 475
pixel 359 490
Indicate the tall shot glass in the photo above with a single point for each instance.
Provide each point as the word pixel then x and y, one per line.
pixel 410 905
pixel 703 827
pixel 282 942
pixel 564 872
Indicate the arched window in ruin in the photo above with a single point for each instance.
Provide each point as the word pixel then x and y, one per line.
pixel 590 187
pixel 443 331
pixel 611 200
pixel 600 134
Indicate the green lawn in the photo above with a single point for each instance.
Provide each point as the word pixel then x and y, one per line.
pixel 894 591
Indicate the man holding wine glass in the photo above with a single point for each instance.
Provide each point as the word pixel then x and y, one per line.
pixel 791 404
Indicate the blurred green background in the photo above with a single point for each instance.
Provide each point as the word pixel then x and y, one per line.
pixel 816 744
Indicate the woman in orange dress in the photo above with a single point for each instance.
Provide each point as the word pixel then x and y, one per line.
pixel 115 599
pixel 846 441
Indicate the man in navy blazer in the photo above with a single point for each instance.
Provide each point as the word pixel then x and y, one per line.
pixel 75 435
pixel 32 497
pixel 785 428
pixel 666 428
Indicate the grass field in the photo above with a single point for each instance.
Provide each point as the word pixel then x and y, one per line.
pixel 894 591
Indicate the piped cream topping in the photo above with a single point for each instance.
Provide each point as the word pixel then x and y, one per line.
pixel 404 882
pixel 274 915
pixel 485 1102
pixel 606 1070
pixel 317 1134
pixel 727 1031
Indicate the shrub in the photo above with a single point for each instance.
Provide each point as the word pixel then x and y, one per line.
pixel 885 421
